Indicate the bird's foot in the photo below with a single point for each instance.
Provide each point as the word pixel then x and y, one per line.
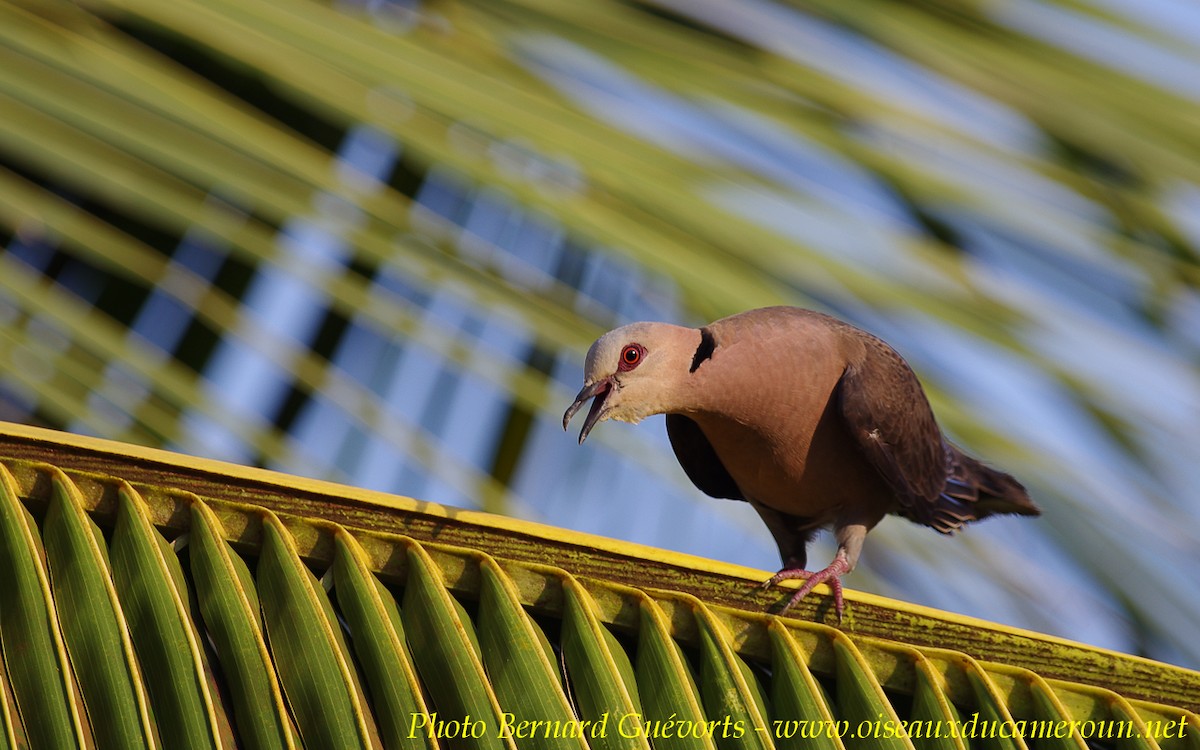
pixel 830 575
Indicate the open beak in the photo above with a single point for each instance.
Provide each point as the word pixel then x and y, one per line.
pixel 600 390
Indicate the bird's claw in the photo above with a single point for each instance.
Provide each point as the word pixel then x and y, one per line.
pixel 830 575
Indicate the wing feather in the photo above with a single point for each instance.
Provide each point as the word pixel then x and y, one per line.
pixel 699 459
pixel 889 416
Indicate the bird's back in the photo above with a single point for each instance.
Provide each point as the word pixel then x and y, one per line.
pixel 818 419
pixel 770 414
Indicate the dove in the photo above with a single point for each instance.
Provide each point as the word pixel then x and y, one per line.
pixel 816 423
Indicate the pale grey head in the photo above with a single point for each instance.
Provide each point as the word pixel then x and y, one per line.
pixel 633 372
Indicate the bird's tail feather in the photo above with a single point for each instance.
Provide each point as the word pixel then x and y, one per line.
pixel 974 491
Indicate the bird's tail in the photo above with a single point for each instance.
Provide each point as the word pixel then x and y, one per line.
pixel 974 491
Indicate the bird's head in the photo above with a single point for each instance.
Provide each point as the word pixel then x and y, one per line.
pixel 632 372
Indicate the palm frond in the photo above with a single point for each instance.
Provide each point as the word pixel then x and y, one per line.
pixel 369 242
pixel 440 622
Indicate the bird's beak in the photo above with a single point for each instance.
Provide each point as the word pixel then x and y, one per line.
pixel 600 390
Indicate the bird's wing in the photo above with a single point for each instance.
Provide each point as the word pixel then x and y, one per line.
pixel 699 460
pixel 890 418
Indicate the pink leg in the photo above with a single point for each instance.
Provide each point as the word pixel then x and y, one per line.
pixel 830 575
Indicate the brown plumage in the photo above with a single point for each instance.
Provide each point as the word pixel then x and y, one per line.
pixel 812 421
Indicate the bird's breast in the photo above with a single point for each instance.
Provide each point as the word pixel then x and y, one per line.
pixel 795 457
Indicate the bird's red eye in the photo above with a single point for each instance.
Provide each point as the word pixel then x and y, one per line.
pixel 631 357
